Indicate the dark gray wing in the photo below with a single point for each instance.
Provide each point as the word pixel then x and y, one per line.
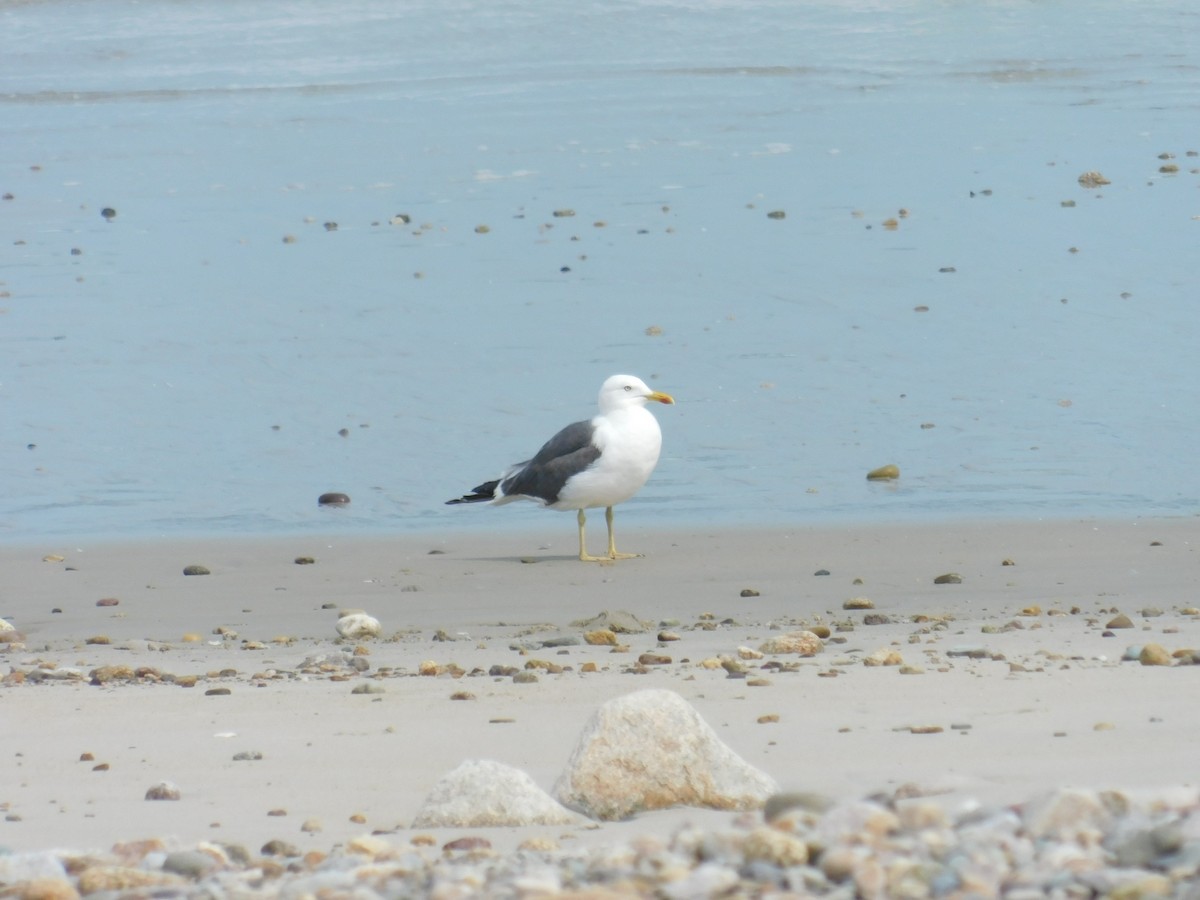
pixel 568 453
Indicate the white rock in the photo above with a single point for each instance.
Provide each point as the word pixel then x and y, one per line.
pixel 1068 814
pixel 15 867
pixel 481 793
pixel 6 626
pixel 652 750
pixel 358 625
pixel 707 880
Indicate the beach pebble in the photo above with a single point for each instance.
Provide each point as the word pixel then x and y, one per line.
pixel 858 603
pixel 652 750
pixel 196 570
pixel 333 498
pixel 106 674
pixel 357 626
pixel 123 878
pixel 1068 814
pixel 884 473
pixel 1120 621
pixel 193 864
pixel 776 847
pixel 948 578
pixel 485 794
pixel 618 621
pixel 42 889
pixel 163 790
pixel 601 637
pixel 38 865
pixel 749 592
pixel 1093 179
pixel 971 652
pixel 277 847
pixel 654 659
pixel 1155 655
pixel 884 656
pixel 802 643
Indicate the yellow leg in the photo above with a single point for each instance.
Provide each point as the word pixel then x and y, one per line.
pixel 612 543
pixel 583 554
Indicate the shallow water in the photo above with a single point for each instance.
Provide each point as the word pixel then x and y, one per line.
pixel 182 369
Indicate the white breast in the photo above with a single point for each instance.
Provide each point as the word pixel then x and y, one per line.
pixel 630 442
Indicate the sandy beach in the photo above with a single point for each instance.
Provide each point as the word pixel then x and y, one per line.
pixel 1012 684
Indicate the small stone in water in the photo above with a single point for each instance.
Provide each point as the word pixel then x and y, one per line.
pixel 196 570
pixel 884 473
pixel 333 499
pixel 1093 180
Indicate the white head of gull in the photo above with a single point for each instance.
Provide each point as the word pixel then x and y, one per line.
pixel 600 461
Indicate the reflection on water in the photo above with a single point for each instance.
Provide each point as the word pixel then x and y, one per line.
pixel 385 250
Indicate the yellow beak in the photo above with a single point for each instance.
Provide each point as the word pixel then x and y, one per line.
pixel 661 398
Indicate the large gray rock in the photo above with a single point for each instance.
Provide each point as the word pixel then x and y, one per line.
pixel 652 750
pixel 481 793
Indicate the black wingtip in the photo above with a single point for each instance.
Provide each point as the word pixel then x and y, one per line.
pixel 479 494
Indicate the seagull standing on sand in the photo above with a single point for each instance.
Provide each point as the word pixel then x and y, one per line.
pixel 598 462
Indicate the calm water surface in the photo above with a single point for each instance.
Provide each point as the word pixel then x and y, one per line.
pixel 257 324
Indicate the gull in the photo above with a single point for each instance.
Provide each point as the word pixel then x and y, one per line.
pixel 597 462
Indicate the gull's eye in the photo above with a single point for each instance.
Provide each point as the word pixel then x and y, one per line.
pixel 628 387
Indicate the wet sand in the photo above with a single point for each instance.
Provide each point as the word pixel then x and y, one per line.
pixel 1022 708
